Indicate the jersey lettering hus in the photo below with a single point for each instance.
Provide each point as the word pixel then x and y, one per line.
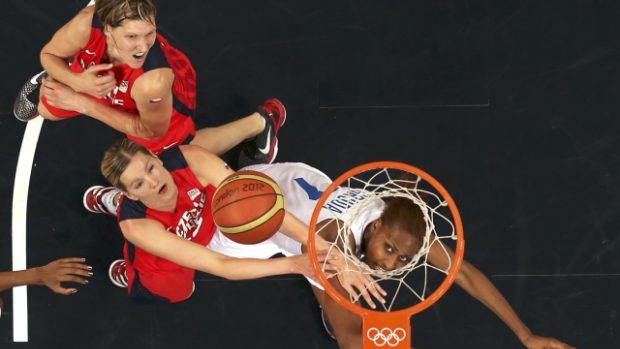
pixel 192 220
pixel 161 55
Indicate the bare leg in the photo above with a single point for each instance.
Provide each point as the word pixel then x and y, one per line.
pixel 46 113
pixel 220 139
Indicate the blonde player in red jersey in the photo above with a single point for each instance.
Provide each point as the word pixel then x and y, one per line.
pixel 126 75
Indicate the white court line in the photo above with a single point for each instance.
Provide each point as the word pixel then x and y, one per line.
pixel 18 240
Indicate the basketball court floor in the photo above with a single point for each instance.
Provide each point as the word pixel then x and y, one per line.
pixel 512 106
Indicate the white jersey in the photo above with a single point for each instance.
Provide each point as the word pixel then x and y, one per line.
pixel 302 186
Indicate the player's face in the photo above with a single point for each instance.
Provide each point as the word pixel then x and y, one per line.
pixel 389 249
pixel 130 42
pixel 147 180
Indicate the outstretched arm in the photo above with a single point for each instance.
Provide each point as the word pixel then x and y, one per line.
pixel 51 275
pixel 474 282
pixel 151 236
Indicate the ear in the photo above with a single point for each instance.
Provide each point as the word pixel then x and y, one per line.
pixel 129 196
pixel 375 225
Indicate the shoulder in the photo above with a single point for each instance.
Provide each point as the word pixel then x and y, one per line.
pixel 197 157
pixel 130 209
pixel 173 159
pixel 207 167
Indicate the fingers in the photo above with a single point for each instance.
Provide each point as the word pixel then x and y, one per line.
pixel 99 67
pixel 74 278
pixel 77 266
pixel 48 83
pixel 72 260
pixel 377 291
pixel 64 291
pixel 321 256
pixel 331 264
pixel 352 293
pixel 364 293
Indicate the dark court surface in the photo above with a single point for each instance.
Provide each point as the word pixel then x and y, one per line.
pixel 513 106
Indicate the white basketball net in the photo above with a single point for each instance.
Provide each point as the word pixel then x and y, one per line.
pixel 379 183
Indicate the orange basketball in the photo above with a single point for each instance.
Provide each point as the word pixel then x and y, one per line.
pixel 248 207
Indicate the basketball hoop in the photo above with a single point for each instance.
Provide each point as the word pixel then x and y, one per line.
pixel 391 328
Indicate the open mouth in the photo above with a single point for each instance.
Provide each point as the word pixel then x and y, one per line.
pixel 139 56
pixel 163 189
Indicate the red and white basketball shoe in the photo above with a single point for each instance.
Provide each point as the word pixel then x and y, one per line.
pixel 93 199
pixel 117 273
pixel 264 147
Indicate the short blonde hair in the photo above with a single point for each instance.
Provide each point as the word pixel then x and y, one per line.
pixel 116 159
pixel 114 12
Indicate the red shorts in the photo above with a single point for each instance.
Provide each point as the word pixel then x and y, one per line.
pixel 152 278
pixel 65 114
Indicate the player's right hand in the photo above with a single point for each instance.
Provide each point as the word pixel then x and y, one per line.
pixel 538 342
pixel 97 80
pixel 61 270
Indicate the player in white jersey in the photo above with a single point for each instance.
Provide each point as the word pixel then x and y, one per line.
pixel 388 234
pixel 301 186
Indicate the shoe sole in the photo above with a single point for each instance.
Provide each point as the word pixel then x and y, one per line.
pixel 283 116
pixel 275 152
pixel 281 122
pixel 86 195
pixel 110 274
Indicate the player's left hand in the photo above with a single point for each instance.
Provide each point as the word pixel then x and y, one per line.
pixel 538 342
pixel 64 270
pixel 62 96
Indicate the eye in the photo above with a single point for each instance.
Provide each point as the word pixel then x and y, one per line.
pixel 150 169
pixel 138 185
pixel 404 259
pixel 388 248
pixel 131 36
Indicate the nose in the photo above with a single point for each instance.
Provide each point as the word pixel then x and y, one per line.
pixel 389 263
pixel 152 181
pixel 143 45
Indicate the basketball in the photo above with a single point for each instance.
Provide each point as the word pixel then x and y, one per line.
pixel 248 207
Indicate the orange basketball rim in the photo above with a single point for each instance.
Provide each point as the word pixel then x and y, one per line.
pixel 389 329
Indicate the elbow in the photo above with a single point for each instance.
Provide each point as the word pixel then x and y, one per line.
pixel 143 131
pixel 45 55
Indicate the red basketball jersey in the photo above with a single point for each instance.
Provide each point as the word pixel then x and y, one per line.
pixel 191 220
pixel 161 55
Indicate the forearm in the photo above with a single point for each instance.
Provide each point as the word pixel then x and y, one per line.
pixel 155 240
pixel 250 268
pixel 294 228
pixel 127 123
pixel 58 69
pixel 481 288
pixel 19 278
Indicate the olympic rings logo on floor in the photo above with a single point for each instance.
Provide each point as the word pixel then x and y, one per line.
pixel 386 336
